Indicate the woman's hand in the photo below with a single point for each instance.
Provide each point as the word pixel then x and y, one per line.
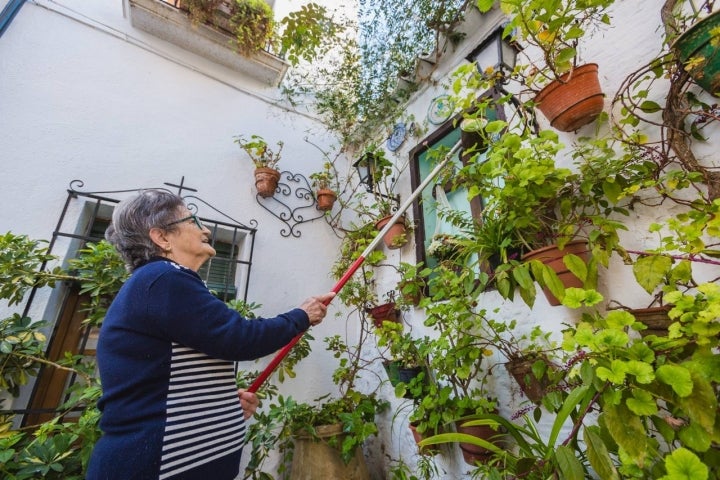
pixel 316 307
pixel 249 402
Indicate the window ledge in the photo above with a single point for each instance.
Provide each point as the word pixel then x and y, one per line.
pixel 172 25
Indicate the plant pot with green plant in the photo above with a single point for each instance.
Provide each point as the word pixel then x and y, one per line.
pixel 325 194
pixel 412 285
pixel 265 160
pixel 528 356
pixel 573 97
pixel 249 21
pixel 537 205
pixel 397 235
pixel 403 362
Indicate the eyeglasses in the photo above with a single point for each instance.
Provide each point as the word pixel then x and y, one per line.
pixel 194 218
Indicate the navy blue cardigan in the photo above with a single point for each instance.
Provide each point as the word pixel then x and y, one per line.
pixel 170 408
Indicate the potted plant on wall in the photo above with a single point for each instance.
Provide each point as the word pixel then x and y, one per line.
pixel 385 310
pixel 527 356
pixel 265 160
pixel 322 182
pixel 403 362
pixel 537 201
pixel 412 286
pixel 573 97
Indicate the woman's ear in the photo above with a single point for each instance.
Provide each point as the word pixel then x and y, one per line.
pixel 160 238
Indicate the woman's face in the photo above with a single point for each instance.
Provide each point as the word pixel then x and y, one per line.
pixel 189 244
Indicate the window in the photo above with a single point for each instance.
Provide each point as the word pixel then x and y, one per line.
pixel 441 196
pixel 85 219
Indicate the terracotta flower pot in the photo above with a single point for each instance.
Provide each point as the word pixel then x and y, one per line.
pixel 395 237
pixel 474 454
pixel 553 258
pixel 266 181
pixel 386 312
pixel 656 319
pixel 574 100
pixel 533 387
pixel 325 199
pixel 696 43
pixel 427 450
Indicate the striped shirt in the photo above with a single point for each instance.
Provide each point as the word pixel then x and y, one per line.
pixel 204 418
pixel 166 354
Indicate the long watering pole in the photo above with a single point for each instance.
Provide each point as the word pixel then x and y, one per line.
pixel 356 264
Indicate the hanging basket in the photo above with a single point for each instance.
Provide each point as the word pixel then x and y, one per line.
pixel 313 458
pixel 694 45
pixel 395 237
pixel 325 199
pixel 397 373
pixel 573 101
pixel 266 181
pixel 383 313
pixel 552 256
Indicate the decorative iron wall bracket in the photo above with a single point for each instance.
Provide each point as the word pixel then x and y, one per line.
pixel 293 199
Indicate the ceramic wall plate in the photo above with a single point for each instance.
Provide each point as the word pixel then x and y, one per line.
pixel 397 137
pixel 440 109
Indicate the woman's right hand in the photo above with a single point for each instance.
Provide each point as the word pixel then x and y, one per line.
pixel 316 307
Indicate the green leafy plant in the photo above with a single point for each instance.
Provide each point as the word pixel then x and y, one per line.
pixel 259 151
pixel 323 179
pixel 412 285
pixel 59 448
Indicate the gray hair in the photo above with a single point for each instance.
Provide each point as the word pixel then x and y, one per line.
pixel 132 220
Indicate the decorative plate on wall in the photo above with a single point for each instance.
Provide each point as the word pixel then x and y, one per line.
pixel 440 109
pixel 397 137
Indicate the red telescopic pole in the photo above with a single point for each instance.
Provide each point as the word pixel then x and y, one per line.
pixel 282 353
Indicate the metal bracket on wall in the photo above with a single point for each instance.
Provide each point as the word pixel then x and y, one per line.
pixel 292 198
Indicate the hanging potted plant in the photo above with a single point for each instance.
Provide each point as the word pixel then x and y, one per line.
pixel 412 286
pixel 265 160
pixel 527 356
pixel 403 362
pixel 537 204
pixel 250 21
pixel 570 95
pixel 398 234
pixel 386 311
pixel 325 196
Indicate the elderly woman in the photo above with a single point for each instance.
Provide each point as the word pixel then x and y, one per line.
pixel 166 352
